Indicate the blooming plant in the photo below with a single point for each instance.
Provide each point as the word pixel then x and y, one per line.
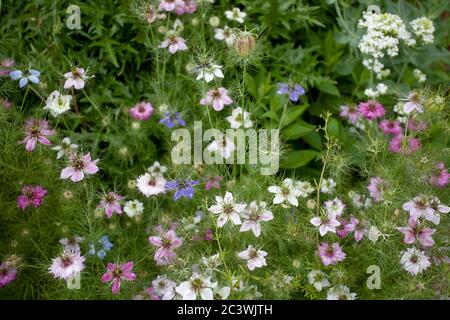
pixel 96 204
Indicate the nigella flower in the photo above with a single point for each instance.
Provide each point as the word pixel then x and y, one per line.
pixel 417 231
pixel 116 273
pixel 58 103
pixel 104 248
pixel 32 75
pixel 235 14
pixel 65 149
pixel 67 265
pixel 440 176
pixel 414 261
pixel 208 71
pixel 147 294
pixel 6 64
pixel 151 184
pixel 141 111
pixel 253 216
pixel 213 183
pixel 164 287
pixel 330 253
pixel 340 292
pixel 31 196
pixel 7 273
pixel 294 91
pixel 371 109
pixel 404 145
pixel 111 203
pixel 174 43
pixel 226 34
pixel 197 285
pixel 318 279
pixel 326 224
pixel 171 120
pixel 188 6
pixel 75 78
pixel 390 127
pixel 227 209
pixel 170 5
pixel 133 208
pixel 36 131
pixel 166 242
pixel 183 188
pixel 255 258
pixel 217 98
pixel 350 112
pixel 375 188
pixel 239 118
pixel 78 167
pixel 413 103
pixel 71 244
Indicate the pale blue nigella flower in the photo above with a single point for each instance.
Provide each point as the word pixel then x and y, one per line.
pixel 32 75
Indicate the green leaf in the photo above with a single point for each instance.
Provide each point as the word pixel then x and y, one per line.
pixel 328 86
pixel 293 114
pixel 297 130
pixel 298 158
pixel 314 140
pixel 333 127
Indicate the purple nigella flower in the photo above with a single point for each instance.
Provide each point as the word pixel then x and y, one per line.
pixel 183 188
pixel 294 91
pixel 170 120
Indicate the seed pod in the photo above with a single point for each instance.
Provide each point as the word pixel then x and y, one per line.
pixel 244 44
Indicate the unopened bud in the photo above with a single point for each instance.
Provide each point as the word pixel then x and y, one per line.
pixel 244 44
pixel 214 21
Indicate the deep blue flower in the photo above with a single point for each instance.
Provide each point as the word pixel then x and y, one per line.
pixel 294 91
pixel 182 188
pixel 32 75
pixel 170 120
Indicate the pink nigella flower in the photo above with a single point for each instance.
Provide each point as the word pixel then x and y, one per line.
pixel 5 64
pixel 441 176
pixel 253 216
pixel 326 224
pixel 7 273
pixel 350 112
pixel 371 109
pixel 255 258
pixel 6 103
pixel 375 188
pixel 217 98
pixel 189 6
pixel 415 231
pixel 118 272
pixel 75 78
pixel 31 196
pixel 390 127
pixel 330 254
pixel 174 43
pixel 67 265
pixel 110 203
pixel 170 5
pixel 404 146
pixel 37 131
pixel 165 242
pixel 78 167
pixel 142 111
pixel 213 183
pixel 415 125
pixel 347 226
pixel 418 207
pixel 360 228
pixel 147 294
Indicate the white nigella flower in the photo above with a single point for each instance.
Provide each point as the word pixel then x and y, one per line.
pixel 157 169
pixel 196 286
pixel 223 145
pixel 235 14
pixel 150 184
pixel 340 292
pixel 164 287
pixel 67 265
pixel 226 208
pixel 71 244
pixel 374 234
pixel 208 72
pixel 226 34
pixel 58 103
pixel 326 224
pixel 221 293
pixel 412 103
pixel 212 262
pixel 65 149
pixel 318 279
pixel 304 188
pixel 238 118
pixel 133 208
pixel 327 186
pixel 358 201
pixel 255 258
pixel 286 193
pixel 414 261
pixel 253 216
pixel 335 206
pixel 438 208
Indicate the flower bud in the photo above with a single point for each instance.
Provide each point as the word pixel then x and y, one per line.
pixel 214 21
pixel 244 44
